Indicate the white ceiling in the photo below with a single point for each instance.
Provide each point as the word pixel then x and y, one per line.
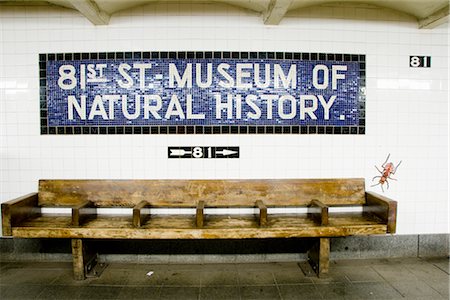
pixel 429 13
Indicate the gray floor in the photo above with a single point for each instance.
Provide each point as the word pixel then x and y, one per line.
pixel 411 278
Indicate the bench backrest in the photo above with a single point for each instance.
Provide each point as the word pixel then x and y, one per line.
pixel 215 193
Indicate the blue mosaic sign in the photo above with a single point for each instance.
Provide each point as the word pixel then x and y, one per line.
pixel 118 93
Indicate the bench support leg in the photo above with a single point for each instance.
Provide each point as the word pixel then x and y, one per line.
pixel 78 259
pixel 319 256
pixel 85 264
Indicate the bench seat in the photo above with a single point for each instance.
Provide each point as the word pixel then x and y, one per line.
pixel 184 227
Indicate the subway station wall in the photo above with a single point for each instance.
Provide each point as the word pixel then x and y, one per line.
pixel 406 108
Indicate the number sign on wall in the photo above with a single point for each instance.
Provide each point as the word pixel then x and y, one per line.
pixel 202 92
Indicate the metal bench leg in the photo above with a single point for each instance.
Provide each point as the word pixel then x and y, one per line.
pixel 319 256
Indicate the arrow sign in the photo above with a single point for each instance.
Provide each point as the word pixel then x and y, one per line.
pixel 226 152
pixel 203 152
pixel 178 152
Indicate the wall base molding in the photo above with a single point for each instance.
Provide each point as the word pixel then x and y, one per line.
pixel 228 251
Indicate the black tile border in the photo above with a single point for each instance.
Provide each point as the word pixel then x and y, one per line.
pixel 201 129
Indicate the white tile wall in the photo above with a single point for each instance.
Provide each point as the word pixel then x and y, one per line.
pixel 407 109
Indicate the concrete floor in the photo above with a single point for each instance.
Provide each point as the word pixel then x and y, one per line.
pixel 411 278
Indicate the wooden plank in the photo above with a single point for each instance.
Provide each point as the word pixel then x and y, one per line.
pixel 78 259
pixel 382 207
pixel 138 218
pixel 262 217
pixel 17 210
pixel 83 212
pixel 187 193
pixel 199 214
pixel 318 211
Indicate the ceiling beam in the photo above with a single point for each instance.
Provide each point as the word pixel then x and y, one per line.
pixel 276 11
pixel 435 19
pixel 91 11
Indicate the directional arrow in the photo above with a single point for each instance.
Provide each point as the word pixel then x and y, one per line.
pixel 226 152
pixel 179 152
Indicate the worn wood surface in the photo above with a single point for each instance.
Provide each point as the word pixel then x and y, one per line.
pixel 319 212
pixel 17 210
pixel 138 217
pixel 382 207
pixel 78 259
pixel 262 216
pixel 215 193
pixel 83 212
pixel 199 214
pixel 185 227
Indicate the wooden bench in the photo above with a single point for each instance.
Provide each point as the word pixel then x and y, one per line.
pixel 25 217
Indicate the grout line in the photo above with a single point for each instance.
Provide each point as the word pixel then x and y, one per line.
pixel 277 286
pixel 389 283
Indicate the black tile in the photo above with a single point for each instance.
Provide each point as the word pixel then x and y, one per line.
pixel 102 55
pixel 181 55
pixel 339 57
pixel 329 130
pixel 111 55
pixel 288 55
pixel 279 55
pixel 225 129
pixel 94 55
pixel 355 57
pixel 234 129
pixel 361 130
pixel 42 57
pixel 217 54
pixel 252 129
pixel 313 56
pixel 286 129
pixel 42 73
pixel 243 129
pixel 137 130
pixel 42 65
pixel 154 130
pixel 261 130
pixel 244 55
pixel 199 55
pixel 262 55
pixel 119 130
pixel 295 129
pixel 77 130
pixel 43 114
pixel 269 130
pixel 216 129
pixel 320 129
pixel 362 57
pixel 306 56
pixel 102 130
pixel 347 57
pixel 155 55
pixel 146 55
pixel 353 130
pixel 164 54
pixel 128 55
pixel 190 54
pixel 362 66
pixel 208 54
pixel 68 56
pixel 278 129
pixel 297 56
pixel 146 130
pixel 60 130
pixel 111 130
pixel 128 130
pixel 94 130
pixel 43 122
pixel 362 122
pixel 312 129
pixel 337 130
pixel 163 130
pixel 271 55
pixel 322 56
pixel 189 129
pixel 51 130
pixel 253 55
pixel 51 56
pixel 303 129
pixel 44 130
pixel 345 130
pixel 59 56
pixel 137 55
pixel 198 129
pixel 120 55
pixel 207 130
pixel 181 129
pixel 235 55
pixel 330 57
pixel 172 129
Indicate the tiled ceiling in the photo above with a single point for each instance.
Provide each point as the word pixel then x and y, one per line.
pixel 429 13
